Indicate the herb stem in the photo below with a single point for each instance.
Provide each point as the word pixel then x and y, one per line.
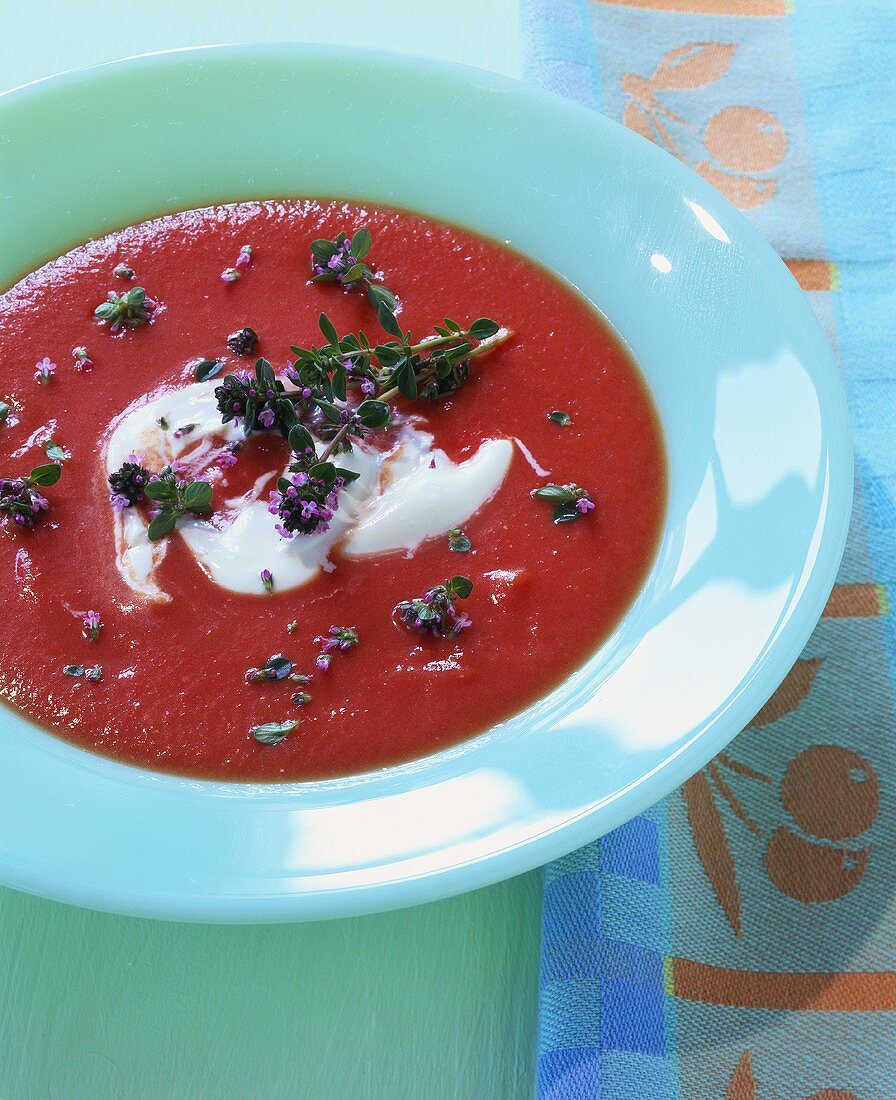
pixel 483 348
pixel 335 441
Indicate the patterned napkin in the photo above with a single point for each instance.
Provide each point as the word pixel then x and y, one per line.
pixel 738 941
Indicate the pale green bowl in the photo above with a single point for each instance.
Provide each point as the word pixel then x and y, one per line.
pixel 753 409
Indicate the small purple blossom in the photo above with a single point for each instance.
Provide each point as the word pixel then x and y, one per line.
pixel 20 500
pixel 267 580
pixel 230 275
pixel 267 416
pixel 44 371
pixel 245 257
pixel 83 362
pixel 305 506
pixel 128 483
pixel 570 501
pixel 92 624
pixel 227 457
pixel 434 612
pixel 340 639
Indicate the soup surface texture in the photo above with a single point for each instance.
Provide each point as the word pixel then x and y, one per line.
pixel 175 644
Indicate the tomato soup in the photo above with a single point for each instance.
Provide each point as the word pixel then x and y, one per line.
pixel 212 650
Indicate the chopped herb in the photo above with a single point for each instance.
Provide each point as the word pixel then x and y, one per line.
pixel 56 452
pixel 124 311
pixel 569 501
pixel 44 371
pixel 435 612
pixel 277 667
pixel 230 275
pixel 340 261
pixel 184 429
pixel 4 411
pixel 19 496
pixel 175 497
pixel 300 698
pixel 73 670
pixel 243 342
pixel 272 733
pixel 128 483
pixel 94 674
pixel 267 580
pixel 93 624
pixel 300 677
pixel 339 639
pixel 458 541
pixel 560 417
pixel 292 627
pixel 207 368
pixel 122 271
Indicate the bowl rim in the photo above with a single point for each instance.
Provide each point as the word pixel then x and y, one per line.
pixel 626 802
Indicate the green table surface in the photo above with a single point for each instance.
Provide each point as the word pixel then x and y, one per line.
pixel 429 1003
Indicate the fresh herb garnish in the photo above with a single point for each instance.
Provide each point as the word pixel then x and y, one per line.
pixel 569 501
pixel 277 667
pixel 244 260
pixel 44 371
pixel 292 627
pixel 175 497
pixel 4 411
pixel 56 452
pixel 129 310
pixel 92 624
pixel 94 674
pixel 300 677
pixel 435 612
pixel 340 639
pixel 340 261
pixel 122 271
pixel 300 698
pixel 207 368
pixel 19 497
pixel 243 342
pixel 560 417
pixel 306 498
pixel 230 275
pixel 128 483
pixel 267 580
pixel 458 541
pixel 184 429
pixel 82 358
pixel 163 423
pixel 272 733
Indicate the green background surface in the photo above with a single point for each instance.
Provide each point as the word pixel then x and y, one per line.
pixel 429 1003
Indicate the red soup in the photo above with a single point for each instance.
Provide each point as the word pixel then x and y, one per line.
pixel 235 602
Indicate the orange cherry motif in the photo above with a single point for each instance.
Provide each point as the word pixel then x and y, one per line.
pixel 745 139
pixel 811 872
pixel 830 792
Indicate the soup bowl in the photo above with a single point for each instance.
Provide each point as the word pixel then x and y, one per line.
pixel 755 422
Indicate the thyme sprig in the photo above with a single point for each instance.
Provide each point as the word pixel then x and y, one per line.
pixel 435 612
pixel 175 497
pixel 570 501
pixel 341 261
pixel 19 496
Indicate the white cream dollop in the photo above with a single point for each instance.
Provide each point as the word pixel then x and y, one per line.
pixel 401 498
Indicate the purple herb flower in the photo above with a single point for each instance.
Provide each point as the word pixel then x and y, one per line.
pixel 44 371
pixel 267 580
pixel 93 624
pixel 82 359
pixel 435 612
pixel 230 275
pixel 339 640
pixel 570 501
pixel 304 505
pixel 128 483
pixel 20 500
pixel 245 257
